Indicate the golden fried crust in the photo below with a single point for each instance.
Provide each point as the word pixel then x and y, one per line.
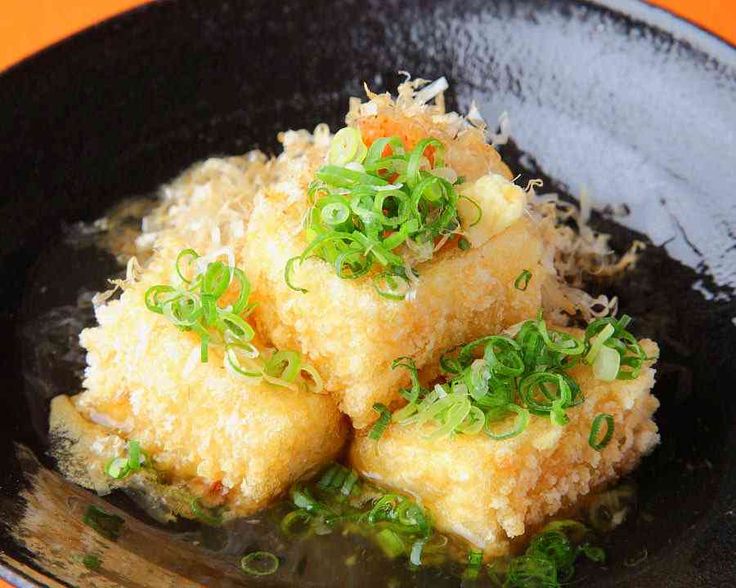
pixel 145 381
pixel 491 491
pixel 352 334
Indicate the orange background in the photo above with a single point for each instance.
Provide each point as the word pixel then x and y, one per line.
pixel 29 25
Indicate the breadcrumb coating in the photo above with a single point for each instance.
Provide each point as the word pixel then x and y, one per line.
pixel 145 381
pixel 352 334
pixel 490 492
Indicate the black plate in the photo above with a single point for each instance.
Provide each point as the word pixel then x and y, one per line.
pixel 621 99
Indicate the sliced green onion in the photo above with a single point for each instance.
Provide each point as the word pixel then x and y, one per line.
pixel 593 553
pixel 608 509
pixel 217 278
pixel 391 286
pixel 350 481
pixel 296 523
pixel 631 355
pixel 606 364
pixel 527 570
pixel 477 208
pixel 362 214
pixel 463 244
pixel 524 373
pixel 335 213
pixel 209 516
pixel 260 563
pixel 346 146
pixel 121 467
pixel 520 424
pixel 233 361
pixel 92 562
pixel 285 365
pixel 597 342
pixel 522 280
pixel 475 562
pixel 106 524
pixel 549 560
pixel 559 341
pixel 117 468
pixel 190 254
pixel 314 381
pixel 540 391
pixel 390 542
pixel 241 304
pixel 153 297
pixel 339 500
pixel 288 273
pixel 196 307
pixel 594 439
pixel 135 458
pixel 235 327
pixel 384 418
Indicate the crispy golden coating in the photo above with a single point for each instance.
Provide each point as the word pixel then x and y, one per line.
pixel 351 333
pixel 490 492
pixel 145 381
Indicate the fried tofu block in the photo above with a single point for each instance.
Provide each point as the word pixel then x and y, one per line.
pixel 351 333
pixel 145 381
pixel 490 492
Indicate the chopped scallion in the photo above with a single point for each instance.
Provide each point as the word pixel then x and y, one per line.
pixel 260 563
pixel 595 440
pixel 106 524
pixel 368 203
pixel 384 418
pixel 493 377
pixel 522 280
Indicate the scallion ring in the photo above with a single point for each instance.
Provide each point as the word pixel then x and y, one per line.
pixel 522 280
pixel 594 439
pixel 260 563
pixel 520 424
pixel 384 418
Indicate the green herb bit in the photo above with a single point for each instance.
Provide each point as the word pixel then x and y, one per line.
pixel 259 563
pixel 494 384
pixel 194 304
pixel 594 439
pixel 338 500
pixel 92 562
pixel 382 423
pixel 475 563
pixel 209 516
pixel 605 336
pixel 121 467
pixel 106 524
pixel 390 543
pixel 367 207
pixel 550 558
pixel 522 280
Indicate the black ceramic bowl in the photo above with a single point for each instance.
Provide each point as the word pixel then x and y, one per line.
pixel 615 97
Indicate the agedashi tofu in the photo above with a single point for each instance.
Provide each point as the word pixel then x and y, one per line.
pixel 145 381
pixel 490 492
pixel 351 333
